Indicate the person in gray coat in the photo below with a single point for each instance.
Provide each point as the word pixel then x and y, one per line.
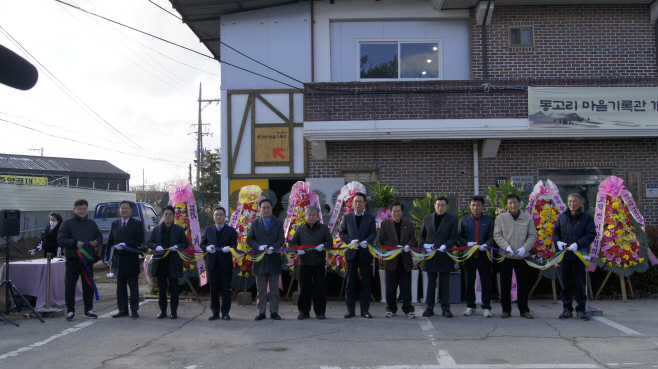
pixel 439 232
pixel 266 234
pixel 358 227
pixel 168 235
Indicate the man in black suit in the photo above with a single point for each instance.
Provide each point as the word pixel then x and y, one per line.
pixel 266 234
pixel 168 235
pixel 439 232
pixel 358 228
pixel 126 232
pixel 219 240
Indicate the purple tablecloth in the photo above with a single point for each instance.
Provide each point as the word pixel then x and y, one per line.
pixel 30 278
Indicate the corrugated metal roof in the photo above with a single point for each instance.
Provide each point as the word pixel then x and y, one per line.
pixel 465 4
pixel 16 163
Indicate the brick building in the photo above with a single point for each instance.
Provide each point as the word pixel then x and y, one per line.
pixel 437 95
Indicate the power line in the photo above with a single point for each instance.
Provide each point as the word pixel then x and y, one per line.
pixel 177 61
pixel 175 44
pixel 70 93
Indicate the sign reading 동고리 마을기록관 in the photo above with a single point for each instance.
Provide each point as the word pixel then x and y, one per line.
pixel 23 180
pixel 272 144
pixel 593 107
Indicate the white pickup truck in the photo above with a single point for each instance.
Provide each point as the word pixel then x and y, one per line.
pixel 107 212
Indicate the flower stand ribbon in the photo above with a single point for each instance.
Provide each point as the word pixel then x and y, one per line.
pixel 346 194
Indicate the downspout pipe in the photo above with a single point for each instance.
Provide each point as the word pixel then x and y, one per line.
pixel 476 169
pixel 312 44
pixel 485 56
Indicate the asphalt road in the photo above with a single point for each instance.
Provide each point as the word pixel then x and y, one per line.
pixel 626 337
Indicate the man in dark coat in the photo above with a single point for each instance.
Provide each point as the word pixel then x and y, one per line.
pixel 218 241
pixel 79 233
pixel 126 232
pixel 439 232
pixel 575 231
pixel 398 232
pixel 168 269
pixel 358 228
pixel 266 234
pixel 312 263
pixel 477 229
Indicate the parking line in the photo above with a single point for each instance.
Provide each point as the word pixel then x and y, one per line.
pixel 58 335
pixel 618 326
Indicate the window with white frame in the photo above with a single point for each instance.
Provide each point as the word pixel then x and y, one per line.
pixel 399 59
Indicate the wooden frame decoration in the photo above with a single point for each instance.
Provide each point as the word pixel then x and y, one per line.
pixel 272 144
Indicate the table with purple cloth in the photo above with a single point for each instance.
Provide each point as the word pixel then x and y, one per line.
pixel 30 277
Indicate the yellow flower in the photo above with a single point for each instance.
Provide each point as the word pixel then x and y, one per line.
pixel 607 233
pixel 246 274
pixel 611 226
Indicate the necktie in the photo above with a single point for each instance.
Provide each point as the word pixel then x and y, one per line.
pixel 123 226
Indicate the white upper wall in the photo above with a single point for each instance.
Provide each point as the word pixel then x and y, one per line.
pixel 453 33
pixel 279 37
pixel 357 11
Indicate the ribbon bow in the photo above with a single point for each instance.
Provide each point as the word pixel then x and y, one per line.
pixel 612 186
pixel 181 192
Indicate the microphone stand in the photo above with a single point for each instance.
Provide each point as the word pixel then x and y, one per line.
pixel 12 290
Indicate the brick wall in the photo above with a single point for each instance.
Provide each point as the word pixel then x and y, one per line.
pixel 570 42
pixel 434 166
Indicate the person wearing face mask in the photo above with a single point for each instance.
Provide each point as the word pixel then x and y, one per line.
pixel 48 244
pixel 171 236
pixel 515 233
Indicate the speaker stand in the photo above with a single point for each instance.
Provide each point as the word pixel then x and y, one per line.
pixel 11 288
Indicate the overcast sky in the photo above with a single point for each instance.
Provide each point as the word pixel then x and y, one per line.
pixel 127 78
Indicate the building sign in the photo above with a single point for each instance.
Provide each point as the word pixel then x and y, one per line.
pixel 527 181
pixel 272 144
pixel 593 107
pixel 21 180
pixel 652 190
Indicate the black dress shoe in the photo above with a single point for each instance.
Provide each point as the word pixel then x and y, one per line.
pixel 427 313
pixel 173 316
pixel 350 314
pixel 135 314
pixel 320 316
pixel 366 314
pixel 275 316
pixel 226 317
pixel 259 317
pixel 162 315
pixel 120 314
pixel 214 317
pixel 447 314
pixel 303 316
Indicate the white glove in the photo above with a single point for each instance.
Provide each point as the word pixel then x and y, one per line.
pixel 354 242
pixel 407 248
pixel 174 247
pixel 471 243
pixel 118 247
pixel 399 246
pixel 32 252
pixel 262 247
pixel 364 244
pixel 226 249
pixel 319 248
pixel 301 252
pixel 521 252
pixel 560 245
pixel 159 249
pixel 442 248
pixel 428 246
pixel 573 247
pixel 270 250
pixel 39 246
pixel 509 249
pixel 483 247
pixel 210 248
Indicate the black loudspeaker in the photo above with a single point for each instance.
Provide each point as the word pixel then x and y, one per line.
pixel 10 223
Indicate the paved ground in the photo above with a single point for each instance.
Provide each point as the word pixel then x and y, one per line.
pixel 626 337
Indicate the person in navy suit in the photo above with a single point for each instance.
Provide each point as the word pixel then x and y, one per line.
pixel 358 228
pixel 126 232
pixel 218 241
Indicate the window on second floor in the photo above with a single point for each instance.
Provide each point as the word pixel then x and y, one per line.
pixel 521 37
pixel 399 59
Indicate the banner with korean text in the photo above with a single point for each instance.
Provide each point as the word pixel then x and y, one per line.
pixel 593 107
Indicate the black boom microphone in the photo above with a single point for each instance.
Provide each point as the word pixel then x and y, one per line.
pixel 15 71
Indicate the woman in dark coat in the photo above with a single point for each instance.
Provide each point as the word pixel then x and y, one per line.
pixel 49 237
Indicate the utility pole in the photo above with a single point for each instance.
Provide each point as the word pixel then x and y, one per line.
pixel 143 180
pixel 199 139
